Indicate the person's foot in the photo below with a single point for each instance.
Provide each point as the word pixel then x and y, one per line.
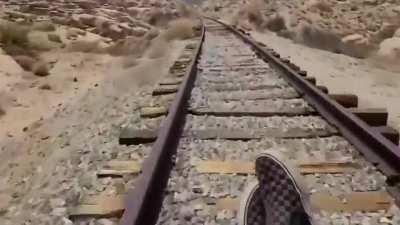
pixel 278 198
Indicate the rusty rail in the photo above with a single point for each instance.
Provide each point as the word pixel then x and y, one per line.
pixel 143 203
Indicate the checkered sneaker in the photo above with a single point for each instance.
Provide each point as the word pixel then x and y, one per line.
pixel 281 195
pixel 252 211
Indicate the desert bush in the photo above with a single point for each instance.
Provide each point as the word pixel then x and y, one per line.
pixel 254 12
pixel 158 48
pixel 275 23
pixel 86 46
pixel 132 46
pixel 45 87
pixel 320 39
pixel 40 69
pixel 26 62
pixel 2 111
pixel 14 38
pixel 44 26
pixel 54 38
pixel 180 29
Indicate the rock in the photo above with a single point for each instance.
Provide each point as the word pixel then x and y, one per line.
pixel 57 202
pixel 134 11
pixel 60 211
pixel 114 32
pixel 54 38
pixel 40 69
pixel 86 19
pixel 370 2
pixel 390 49
pixel 138 31
pixel 387 31
pixel 396 9
pixel 86 4
pixel 320 5
pixel 397 33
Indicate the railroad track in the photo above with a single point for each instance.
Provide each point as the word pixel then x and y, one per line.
pixel 233 99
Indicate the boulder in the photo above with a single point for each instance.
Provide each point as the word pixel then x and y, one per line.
pixel 390 49
pixel 356 45
pixel 320 5
pixel 397 33
pixel 134 11
pixel 86 4
pixel 86 19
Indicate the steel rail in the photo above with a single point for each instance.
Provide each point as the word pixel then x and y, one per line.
pixel 377 149
pixel 143 203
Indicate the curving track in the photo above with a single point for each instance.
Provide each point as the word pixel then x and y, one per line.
pixel 237 101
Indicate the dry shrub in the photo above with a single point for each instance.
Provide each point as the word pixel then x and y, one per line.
pixel 184 10
pixel 39 41
pixel 86 46
pixel 276 23
pixel 254 14
pixel 2 111
pixel 320 39
pixel 14 38
pixel 45 87
pixel 54 38
pixel 151 34
pixel 130 46
pixel 180 29
pixel 26 62
pixel 158 48
pixel 40 69
pixel 45 26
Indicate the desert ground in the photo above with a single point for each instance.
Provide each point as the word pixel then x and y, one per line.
pixel 71 73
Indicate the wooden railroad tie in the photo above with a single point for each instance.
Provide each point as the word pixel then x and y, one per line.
pixel 356 201
pixel 311 80
pixel 389 133
pixel 99 207
pixel 346 100
pixel 239 167
pixel 119 168
pixel 323 89
pixel 132 136
pixel 152 112
pixel 165 89
pixel 114 206
pixel 372 116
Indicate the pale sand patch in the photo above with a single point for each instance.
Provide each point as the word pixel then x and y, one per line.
pixel 375 86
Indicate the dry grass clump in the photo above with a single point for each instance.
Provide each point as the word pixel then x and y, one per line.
pixel 45 87
pixel 2 111
pixel 54 38
pixel 86 46
pixel 180 29
pixel 276 23
pixel 14 38
pixel 320 39
pixel 26 62
pixel 40 69
pixel 45 26
pixel 254 14
pixel 132 46
pixel 158 49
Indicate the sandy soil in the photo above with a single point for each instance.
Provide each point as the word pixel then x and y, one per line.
pixel 375 85
pixel 62 122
